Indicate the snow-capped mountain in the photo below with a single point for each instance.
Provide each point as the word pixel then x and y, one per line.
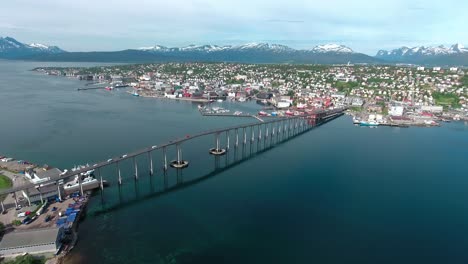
pixel 332 48
pixel 254 46
pixel 214 48
pixel 244 53
pixel 421 51
pixel 11 48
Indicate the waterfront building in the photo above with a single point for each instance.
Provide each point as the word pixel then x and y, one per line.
pixel 396 110
pixel 31 241
pixel 41 175
pixel 432 108
pixel 41 193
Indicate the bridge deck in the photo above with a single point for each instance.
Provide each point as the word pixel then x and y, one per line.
pixel 164 145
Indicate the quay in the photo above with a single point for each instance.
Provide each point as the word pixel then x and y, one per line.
pixel 98 88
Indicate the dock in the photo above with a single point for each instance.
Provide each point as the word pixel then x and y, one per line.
pixel 98 88
pixel 394 125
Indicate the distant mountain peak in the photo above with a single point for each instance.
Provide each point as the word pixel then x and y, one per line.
pixel 424 51
pixel 332 47
pixel 11 48
pixel 454 55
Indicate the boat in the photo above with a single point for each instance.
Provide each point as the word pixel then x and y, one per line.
pixel 241 99
pixel 356 121
pixel 219 100
pixel 85 183
pixel 289 113
pixel 368 123
pixel 109 88
pixel 135 93
pixel 80 167
pixel 262 113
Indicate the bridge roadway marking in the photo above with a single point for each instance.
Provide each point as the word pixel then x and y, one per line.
pixel 150 149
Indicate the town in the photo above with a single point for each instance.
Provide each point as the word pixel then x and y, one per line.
pixel 375 94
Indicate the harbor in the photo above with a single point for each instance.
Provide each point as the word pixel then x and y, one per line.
pixel 48 214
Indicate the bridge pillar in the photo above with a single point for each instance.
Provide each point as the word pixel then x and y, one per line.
pixel 253 135
pixel 119 175
pixel 297 126
pixel 270 139
pixel 80 184
pixel 227 137
pixel 237 137
pixel 150 162
pixel 245 136
pixel 16 200
pixel 164 159
pixel 135 165
pixel 40 196
pixel 285 130
pixel 259 132
pixel 3 207
pixel 218 151
pixel 179 163
pixel 58 191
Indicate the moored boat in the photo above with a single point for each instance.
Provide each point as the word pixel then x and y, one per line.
pixel 368 123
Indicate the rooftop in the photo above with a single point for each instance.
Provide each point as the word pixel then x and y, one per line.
pixel 54 172
pixel 29 238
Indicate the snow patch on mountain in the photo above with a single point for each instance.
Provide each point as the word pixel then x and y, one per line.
pixel 334 48
pixel 423 51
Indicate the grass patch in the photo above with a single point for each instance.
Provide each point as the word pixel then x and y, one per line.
pixel 5 182
pixel 446 99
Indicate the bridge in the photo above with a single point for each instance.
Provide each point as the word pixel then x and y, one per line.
pixel 244 137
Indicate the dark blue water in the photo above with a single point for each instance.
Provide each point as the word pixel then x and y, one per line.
pixel 337 194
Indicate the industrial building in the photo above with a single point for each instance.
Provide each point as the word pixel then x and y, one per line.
pixel 31 241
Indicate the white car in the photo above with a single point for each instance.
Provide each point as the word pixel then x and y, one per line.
pixel 153 147
pixel 124 156
pixel 22 214
pixel 109 160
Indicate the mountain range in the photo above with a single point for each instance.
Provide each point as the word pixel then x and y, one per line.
pixel 453 55
pixel 246 53
pixel 10 48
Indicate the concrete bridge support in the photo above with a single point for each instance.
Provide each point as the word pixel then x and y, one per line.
pixel 218 151
pixel 179 163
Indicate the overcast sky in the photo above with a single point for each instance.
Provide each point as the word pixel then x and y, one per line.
pixel 364 25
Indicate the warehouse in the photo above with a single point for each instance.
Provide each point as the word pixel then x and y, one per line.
pixel 31 241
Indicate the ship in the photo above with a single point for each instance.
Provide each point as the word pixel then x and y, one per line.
pixel 368 123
